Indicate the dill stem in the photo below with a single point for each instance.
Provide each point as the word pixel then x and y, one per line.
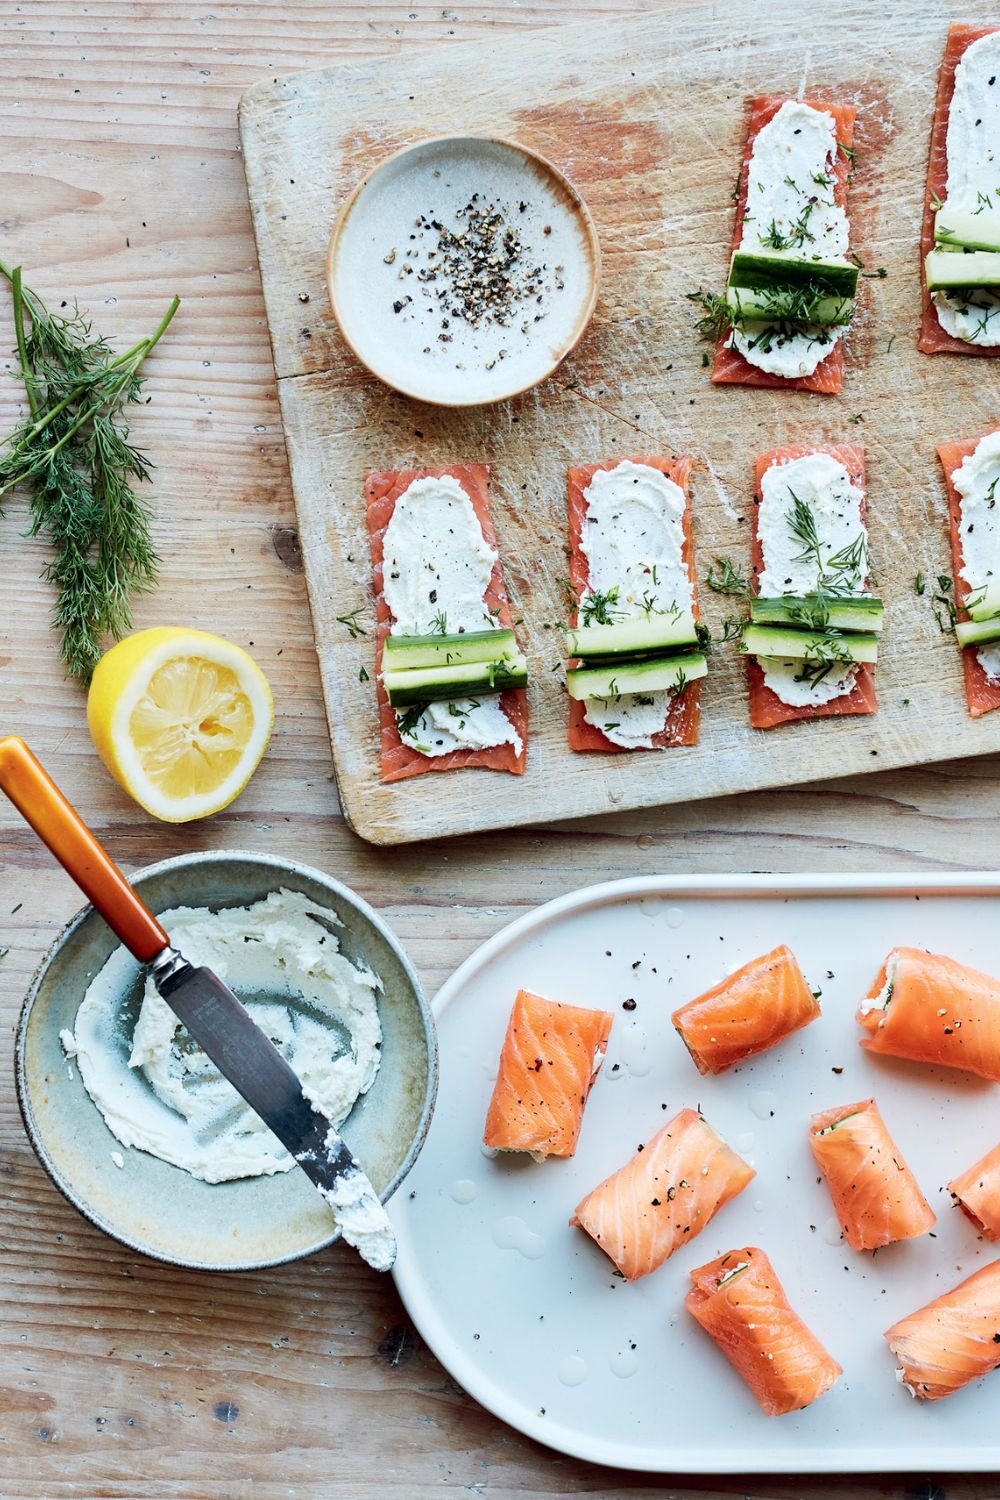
pixel 128 363
pixel 27 374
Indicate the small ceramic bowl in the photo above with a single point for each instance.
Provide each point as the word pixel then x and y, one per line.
pixel 159 1209
pixel 394 271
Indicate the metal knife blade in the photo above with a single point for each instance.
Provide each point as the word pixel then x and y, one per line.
pixel 226 1031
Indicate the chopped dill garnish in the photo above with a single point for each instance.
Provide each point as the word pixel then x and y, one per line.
pixel 724 577
pixel 351 621
pixel 599 608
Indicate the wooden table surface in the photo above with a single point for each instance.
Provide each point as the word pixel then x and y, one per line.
pixel 121 183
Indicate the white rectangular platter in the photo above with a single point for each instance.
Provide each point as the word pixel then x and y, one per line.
pixel 647 116
pixel 650 1391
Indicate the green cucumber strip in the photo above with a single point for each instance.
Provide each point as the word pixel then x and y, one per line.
pixel 842 1121
pixel 816 611
pixel 767 268
pixel 441 684
pixel 401 652
pixel 659 674
pixel 782 642
pixel 976 270
pixel 964 229
pixel 984 603
pixel 646 633
pixel 977 632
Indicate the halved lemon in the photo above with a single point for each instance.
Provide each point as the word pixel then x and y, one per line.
pixel 181 719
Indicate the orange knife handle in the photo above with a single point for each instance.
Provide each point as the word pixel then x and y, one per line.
pixel 63 831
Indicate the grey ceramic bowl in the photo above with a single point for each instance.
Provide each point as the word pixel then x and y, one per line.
pixel 160 1209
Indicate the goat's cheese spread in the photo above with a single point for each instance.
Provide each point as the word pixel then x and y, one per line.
pixel 158 1091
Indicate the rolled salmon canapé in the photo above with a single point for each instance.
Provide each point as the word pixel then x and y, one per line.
pixel 953 1340
pixel 741 1304
pixel 875 1194
pixel 551 1055
pixel 932 1009
pixel 754 1009
pixel 977 1193
pixel 664 1196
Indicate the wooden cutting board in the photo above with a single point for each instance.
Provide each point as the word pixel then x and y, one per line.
pixel 647 117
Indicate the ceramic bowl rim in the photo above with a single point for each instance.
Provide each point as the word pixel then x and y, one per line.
pixel 278 863
pixel 579 208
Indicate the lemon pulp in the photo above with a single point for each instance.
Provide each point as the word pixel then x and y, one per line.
pixel 191 726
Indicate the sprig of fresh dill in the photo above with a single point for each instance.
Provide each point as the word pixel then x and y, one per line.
pixel 72 453
pixel 724 577
pixel 842 571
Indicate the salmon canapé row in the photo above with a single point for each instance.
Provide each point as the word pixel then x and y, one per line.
pixel 451 676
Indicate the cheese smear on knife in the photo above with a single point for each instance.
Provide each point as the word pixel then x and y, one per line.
pixel 819 481
pixel 973 147
pixel 977 480
pixel 437 567
pixel 633 540
pixel 790 194
pixel 159 1092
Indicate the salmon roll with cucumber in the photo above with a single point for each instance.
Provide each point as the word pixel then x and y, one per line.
pixel 664 1196
pixel 741 1304
pixel 450 677
pixel 932 1009
pixel 875 1195
pixel 792 280
pixel 952 1341
pixel 977 1193
pixel 551 1056
pixel 971 475
pixel 756 1008
pixel 635 645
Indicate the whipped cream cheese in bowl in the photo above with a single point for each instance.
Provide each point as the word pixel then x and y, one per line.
pixel 140 1132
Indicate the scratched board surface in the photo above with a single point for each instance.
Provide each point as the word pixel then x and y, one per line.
pixel 648 119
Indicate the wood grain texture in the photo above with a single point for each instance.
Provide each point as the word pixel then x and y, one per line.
pixel 653 138
pixel 122 182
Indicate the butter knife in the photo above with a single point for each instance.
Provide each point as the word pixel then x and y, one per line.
pixel 209 1010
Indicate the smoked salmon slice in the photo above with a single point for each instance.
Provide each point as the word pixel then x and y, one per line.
pixel 754 1009
pixel 977 1193
pixel 399 760
pixel 873 1190
pixel 766 708
pixel 551 1055
pixel 681 727
pixel 981 694
pixel 933 338
pixel 932 1009
pixel 729 366
pixel 953 1340
pixel 664 1196
pixel 741 1304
